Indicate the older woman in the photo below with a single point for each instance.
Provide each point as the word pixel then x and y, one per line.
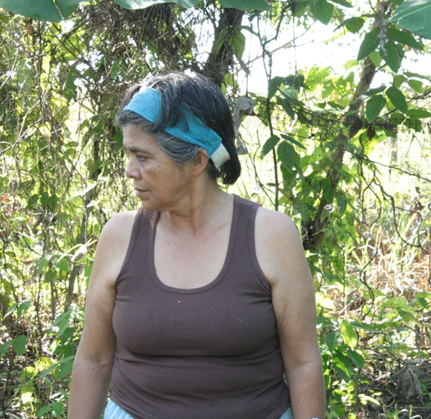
pixel 200 303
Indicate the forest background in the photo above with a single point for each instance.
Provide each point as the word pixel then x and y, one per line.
pixel 343 147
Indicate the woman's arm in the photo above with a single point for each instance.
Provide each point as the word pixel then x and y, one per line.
pixel 91 374
pixel 281 256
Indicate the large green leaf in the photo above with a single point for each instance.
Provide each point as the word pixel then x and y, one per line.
pixel 393 56
pixel 292 140
pixel 322 10
pixel 287 155
pixel 342 3
pixel 354 24
pixel 273 85
pixel 374 107
pixel 342 365
pixel 369 44
pixel 19 344
pixel 414 15
pixel 4 348
pixel 404 38
pixel 40 10
pixel 270 143
pixel 142 4
pixel 348 333
pixel 246 4
pixel 357 358
pixel 236 40
pixel 419 113
pixel 332 340
pixel 299 6
pixel 397 98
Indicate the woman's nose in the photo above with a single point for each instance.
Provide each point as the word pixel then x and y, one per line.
pixel 132 171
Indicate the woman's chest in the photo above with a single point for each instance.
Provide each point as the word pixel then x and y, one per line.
pixel 190 262
pixel 220 321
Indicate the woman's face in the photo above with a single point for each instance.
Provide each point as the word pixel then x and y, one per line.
pixel 158 181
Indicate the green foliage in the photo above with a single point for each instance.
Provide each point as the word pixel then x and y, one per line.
pixel 369 44
pixel 415 16
pixel 42 9
pixel 367 236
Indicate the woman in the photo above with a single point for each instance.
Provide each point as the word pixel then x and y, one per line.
pixel 200 301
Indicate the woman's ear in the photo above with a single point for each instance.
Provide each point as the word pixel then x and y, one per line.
pixel 199 164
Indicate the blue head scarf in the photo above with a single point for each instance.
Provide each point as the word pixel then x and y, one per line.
pixel 147 103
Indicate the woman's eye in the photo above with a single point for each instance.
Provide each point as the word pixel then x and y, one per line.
pixel 140 158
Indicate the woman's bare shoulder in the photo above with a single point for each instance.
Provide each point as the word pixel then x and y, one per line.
pixel 119 225
pixel 278 243
pixel 112 246
pixel 275 224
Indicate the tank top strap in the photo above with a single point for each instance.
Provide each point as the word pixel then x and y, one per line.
pixel 244 252
pixel 140 238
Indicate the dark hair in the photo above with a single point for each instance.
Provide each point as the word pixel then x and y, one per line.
pixel 196 94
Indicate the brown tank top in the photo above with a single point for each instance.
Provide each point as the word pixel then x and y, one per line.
pixel 205 353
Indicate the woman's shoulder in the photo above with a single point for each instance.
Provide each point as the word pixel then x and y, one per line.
pixel 278 243
pixel 275 224
pixel 117 231
pixel 120 221
pixel 112 248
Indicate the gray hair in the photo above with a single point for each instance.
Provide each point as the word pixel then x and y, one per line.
pixel 178 150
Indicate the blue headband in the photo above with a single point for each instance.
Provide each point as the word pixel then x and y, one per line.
pixel 147 103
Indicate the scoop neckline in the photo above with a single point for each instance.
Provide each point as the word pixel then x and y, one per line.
pixel 228 257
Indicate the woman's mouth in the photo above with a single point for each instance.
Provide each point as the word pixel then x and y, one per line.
pixel 139 191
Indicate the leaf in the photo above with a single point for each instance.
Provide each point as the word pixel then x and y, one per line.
pixel 365 326
pixel 357 358
pixel 348 333
pixel 373 92
pixel 286 154
pixel 404 38
pixel 43 263
pixel 57 408
pixel 4 348
pixel 299 7
pixel 394 56
pixel 44 410
pixel 332 340
pixel 416 85
pixel 342 366
pixel 342 3
pixel 286 106
pixel 42 9
pixel 274 85
pixel 397 98
pixel 376 58
pixel 418 113
pixel 293 141
pixel 322 10
pixel 374 107
pixel 67 7
pixel 62 265
pixel 419 76
pixel 235 40
pixel 143 4
pixel 270 143
pixel 19 344
pixel 246 5
pixel 24 306
pixel 238 44
pixel 414 15
pixel 354 24
pixel 295 80
pixel 396 2
pixel 369 44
